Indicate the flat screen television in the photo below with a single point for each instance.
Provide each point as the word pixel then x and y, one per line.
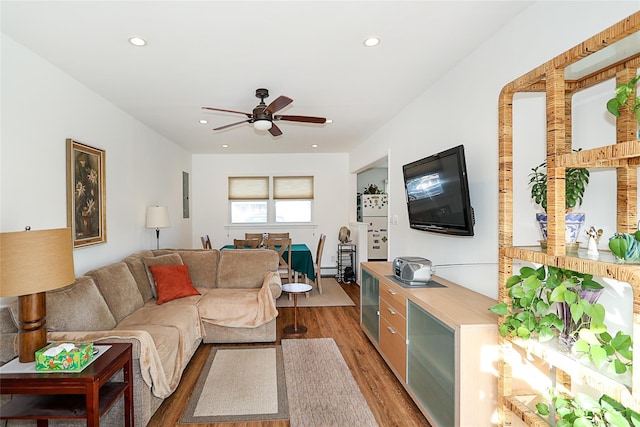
pixel 437 193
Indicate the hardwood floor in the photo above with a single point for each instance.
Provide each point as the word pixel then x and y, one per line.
pixel 387 399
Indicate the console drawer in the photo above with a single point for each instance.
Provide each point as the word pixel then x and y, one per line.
pixel 396 300
pixel 393 346
pixel 393 317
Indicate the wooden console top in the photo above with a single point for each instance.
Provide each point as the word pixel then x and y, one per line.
pixel 453 304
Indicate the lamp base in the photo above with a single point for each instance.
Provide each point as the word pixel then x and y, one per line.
pixel 32 335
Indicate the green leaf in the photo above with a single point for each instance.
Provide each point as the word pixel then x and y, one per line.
pixel 523 333
pixel 619 367
pixel 621 341
pixel 503 329
pixel 597 314
pixel 570 297
pixel 613 106
pixel 616 419
pixel 591 285
pixel 557 295
pixel 542 307
pixel 618 246
pixel 582 422
pixel 588 336
pixel 546 334
pixel 581 346
pixel 500 309
pixel 543 408
pixel 598 355
pixel 513 280
pixel 587 402
pixel 576 312
pixel 526 272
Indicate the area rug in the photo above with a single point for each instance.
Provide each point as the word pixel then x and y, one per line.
pixel 320 387
pixel 332 295
pixel 239 384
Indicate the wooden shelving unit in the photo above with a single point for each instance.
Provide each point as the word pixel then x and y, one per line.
pixel 559 81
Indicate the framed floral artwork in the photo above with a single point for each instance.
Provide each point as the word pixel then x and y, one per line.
pixel 86 194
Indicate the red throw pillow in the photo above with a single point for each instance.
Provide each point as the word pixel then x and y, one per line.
pixel 172 282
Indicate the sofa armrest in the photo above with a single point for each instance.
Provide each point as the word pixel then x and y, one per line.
pixel 275 285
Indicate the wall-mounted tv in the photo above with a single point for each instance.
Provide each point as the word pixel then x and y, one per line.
pixel 437 193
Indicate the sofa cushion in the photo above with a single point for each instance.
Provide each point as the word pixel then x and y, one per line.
pixel 8 336
pixel 78 307
pixel 242 268
pixel 139 271
pixel 172 282
pixel 169 259
pixel 203 264
pixel 119 289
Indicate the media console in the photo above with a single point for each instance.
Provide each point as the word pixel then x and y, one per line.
pixel 440 342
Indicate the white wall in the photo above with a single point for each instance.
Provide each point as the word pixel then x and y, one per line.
pixel 461 108
pixel 41 107
pixel 331 194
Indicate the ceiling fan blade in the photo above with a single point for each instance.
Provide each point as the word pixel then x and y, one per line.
pixel 306 119
pixel 233 124
pixel 278 104
pixel 275 130
pixel 227 111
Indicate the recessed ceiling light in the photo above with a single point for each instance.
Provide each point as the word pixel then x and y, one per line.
pixel 314 145
pixel 371 41
pixel 225 146
pixel 203 122
pixel 137 41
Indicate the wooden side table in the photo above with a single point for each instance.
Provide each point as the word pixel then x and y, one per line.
pixel 86 394
pixel 295 289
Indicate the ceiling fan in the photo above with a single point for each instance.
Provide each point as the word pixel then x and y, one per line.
pixel 263 116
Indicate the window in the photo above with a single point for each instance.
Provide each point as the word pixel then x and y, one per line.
pixel 292 198
pixel 250 200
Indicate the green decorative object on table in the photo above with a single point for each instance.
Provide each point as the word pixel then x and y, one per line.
pixel 67 357
pixel 626 246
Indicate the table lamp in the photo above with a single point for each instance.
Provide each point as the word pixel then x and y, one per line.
pixel 158 217
pixel 31 263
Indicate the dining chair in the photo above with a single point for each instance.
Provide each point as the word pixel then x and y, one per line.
pixel 206 242
pixel 245 243
pixel 281 246
pixel 254 236
pixel 277 235
pixel 318 262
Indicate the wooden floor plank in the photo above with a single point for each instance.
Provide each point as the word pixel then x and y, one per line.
pixel 386 397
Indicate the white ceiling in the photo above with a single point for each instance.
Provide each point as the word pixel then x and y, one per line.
pixel 217 53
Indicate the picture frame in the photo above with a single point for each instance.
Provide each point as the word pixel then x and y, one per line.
pixel 86 194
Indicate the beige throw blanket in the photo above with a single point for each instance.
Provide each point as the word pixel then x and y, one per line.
pixel 175 329
pixel 240 308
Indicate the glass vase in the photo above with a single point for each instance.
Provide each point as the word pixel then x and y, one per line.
pixel 569 334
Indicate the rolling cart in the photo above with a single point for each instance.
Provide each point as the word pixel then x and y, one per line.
pixel 346 263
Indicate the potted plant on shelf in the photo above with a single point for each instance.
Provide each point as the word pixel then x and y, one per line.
pixel 583 410
pixel 577 318
pixel 576 180
pixel 626 96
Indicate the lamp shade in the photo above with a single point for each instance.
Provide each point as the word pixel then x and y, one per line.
pixel 157 217
pixel 35 261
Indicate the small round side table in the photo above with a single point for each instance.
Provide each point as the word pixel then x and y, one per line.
pixel 295 289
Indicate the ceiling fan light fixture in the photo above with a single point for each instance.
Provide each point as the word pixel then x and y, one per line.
pixel 262 125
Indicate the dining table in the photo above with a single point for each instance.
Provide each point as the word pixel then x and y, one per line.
pixel 301 259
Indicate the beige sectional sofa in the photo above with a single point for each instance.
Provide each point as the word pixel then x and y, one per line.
pixel 119 303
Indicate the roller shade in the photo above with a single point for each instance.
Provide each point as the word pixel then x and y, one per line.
pixel 248 187
pixel 293 187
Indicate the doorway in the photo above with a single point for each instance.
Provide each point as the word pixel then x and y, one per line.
pixel 372 208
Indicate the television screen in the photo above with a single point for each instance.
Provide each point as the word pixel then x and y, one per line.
pixel 438 193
